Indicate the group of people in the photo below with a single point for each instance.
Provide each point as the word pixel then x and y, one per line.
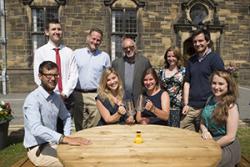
pixel 85 84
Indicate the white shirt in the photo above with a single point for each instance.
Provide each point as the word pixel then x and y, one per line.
pixel 68 65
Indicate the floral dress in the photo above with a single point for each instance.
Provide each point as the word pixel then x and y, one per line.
pixel 173 85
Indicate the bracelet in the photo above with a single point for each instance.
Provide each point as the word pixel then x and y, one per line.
pixel 61 139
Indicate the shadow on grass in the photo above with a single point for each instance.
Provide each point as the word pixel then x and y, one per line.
pixel 14 150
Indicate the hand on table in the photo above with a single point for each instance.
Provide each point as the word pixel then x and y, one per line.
pixel 130 120
pixel 206 135
pixel 76 141
pixel 144 121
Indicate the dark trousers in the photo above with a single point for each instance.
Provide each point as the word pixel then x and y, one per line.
pixel 69 102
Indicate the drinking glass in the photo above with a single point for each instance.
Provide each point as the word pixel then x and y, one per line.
pixel 141 102
pixel 130 107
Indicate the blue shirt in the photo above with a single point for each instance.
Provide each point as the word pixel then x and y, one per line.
pixel 90 67
pixel 198 74
pixel 41 111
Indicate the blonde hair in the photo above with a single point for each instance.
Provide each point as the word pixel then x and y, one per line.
pixel 228 99
pixel 103 90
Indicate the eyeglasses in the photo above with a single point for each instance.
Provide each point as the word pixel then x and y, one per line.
pixel 129 47
pixel 50 76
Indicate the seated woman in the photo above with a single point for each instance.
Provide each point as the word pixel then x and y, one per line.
pixel 220 117
pixel 157 103
pixel 109 99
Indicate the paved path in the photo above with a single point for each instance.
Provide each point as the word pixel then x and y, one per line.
pixel 16 101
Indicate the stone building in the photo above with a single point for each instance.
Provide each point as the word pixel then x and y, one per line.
pixel 154 24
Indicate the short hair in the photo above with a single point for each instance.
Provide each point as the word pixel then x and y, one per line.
pixel 96 30
pixel 52 21
pixel 151 71
pixel 49 65
pixel 202 31
pixel 177 54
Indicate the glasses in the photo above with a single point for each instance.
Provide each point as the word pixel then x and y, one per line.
pixel 50 76
pixel 129 47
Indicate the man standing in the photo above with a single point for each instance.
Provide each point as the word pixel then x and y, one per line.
pixel 131 67
pixel 91 62
pixel 41 109
pixel 56 52
pixel 196 83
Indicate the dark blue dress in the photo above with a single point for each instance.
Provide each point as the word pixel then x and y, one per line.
pixel 156 100
pixel 112 110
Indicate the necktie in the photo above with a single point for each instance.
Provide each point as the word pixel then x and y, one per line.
pixel 58 62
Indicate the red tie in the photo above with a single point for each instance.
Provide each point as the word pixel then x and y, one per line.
pixel 58 62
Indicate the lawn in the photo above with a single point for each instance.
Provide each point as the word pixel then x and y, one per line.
pixel 15 152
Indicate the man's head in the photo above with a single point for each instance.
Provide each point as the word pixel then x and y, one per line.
pixel 201 41
pixel 94 39
pixel 48 74
pixel 129 47
pixel 53 30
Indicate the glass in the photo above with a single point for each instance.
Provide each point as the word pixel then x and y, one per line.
pixel 130 107
pixel 141 102
pixel 129 47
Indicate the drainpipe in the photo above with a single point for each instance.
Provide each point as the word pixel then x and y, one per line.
pixel 3 47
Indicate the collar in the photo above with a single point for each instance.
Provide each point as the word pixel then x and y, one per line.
pixel 53 46
pixel 94 53
pixel 200 58
pixel 129 60
pixel 44 93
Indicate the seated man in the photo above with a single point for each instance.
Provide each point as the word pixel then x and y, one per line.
pixel 41 109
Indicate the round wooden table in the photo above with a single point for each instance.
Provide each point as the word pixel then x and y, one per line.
pixel 114 145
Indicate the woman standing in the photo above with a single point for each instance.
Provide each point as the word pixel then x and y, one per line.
pixel 109 99
pixel 172 76
pixel 219 119
pixel 156 108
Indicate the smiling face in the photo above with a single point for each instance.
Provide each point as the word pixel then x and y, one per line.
pixel 200 44
pixel 112 82
pixel 54 32
pixel 219 86
pixel 149 82
pixel 171 58
pixel 49 79
pixel 94 40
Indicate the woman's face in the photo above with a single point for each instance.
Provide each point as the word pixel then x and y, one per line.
pixel 112 82
pixel 149 82
pixel 171 58
pixel 219 86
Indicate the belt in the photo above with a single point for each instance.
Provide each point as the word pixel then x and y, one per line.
pixel 86 90
pixel 40 148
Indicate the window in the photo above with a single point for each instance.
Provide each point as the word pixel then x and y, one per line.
pixel 40 16
pixel 123 22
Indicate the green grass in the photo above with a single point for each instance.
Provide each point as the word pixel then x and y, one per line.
pixel 15 152
pixel 12 154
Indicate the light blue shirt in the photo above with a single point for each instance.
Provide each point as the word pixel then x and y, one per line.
pixel 90 67
pixel 41 111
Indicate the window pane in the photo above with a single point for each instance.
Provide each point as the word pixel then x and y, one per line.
pixel 38 41
pixel 130 25
pixel 38 20
pixel 117 15
pixel 51 14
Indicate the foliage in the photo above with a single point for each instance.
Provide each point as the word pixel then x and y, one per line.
pixel 244 137
pixel 232 69
pixel 5 111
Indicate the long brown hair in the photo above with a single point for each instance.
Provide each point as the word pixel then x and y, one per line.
pixel 228 99
pixel 104 91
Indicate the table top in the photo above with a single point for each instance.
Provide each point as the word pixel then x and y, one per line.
pixel 113 145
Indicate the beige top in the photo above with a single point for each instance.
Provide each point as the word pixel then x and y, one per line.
pixel 113 145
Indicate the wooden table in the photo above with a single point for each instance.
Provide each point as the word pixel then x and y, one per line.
pixel 114 146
